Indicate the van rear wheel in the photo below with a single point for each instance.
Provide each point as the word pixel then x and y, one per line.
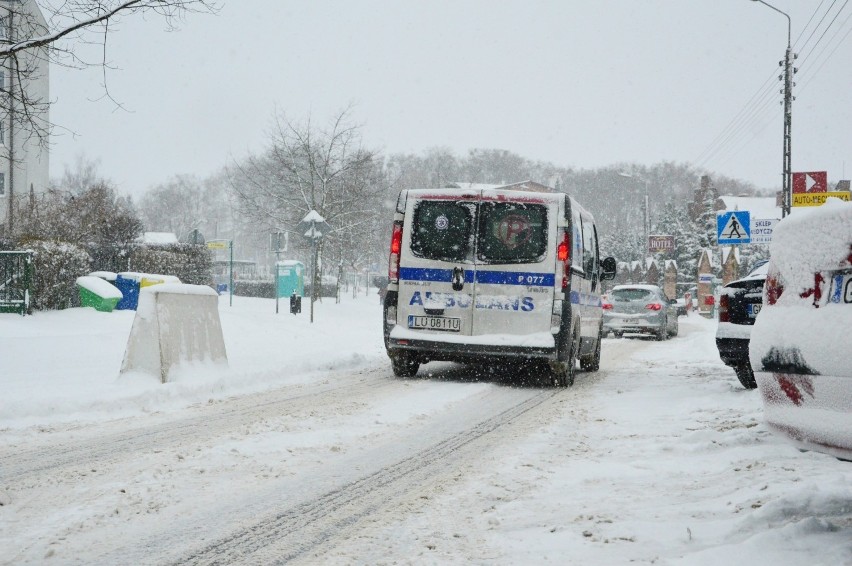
pixel 593 362
pixel 404 365
pixel 562 372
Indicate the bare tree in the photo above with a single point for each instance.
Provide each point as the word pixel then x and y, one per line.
pixel 306 169
pixel 34 34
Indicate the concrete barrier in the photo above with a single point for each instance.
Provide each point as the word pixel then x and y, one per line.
pixel 175 324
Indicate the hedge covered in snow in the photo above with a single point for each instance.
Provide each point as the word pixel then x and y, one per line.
pixel 191 263
pixel 57 267
pixel 59 264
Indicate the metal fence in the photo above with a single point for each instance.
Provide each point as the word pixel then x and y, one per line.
pixel 16 280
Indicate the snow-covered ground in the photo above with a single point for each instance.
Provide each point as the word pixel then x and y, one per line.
pixel 661 457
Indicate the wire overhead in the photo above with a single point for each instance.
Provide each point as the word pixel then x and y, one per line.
pixel 757 113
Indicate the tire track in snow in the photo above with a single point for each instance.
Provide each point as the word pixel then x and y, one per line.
pixel 294 532
pixel 102 446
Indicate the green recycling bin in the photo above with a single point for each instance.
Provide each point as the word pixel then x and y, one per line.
pixel 291 278
pixel 98 293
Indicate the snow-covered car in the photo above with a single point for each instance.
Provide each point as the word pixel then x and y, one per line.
pixel 800 342
pixel 739 303
pixel 640 309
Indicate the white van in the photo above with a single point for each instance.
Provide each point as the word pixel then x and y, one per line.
pixel 495 273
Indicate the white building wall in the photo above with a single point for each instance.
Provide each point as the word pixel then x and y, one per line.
pixel 24 157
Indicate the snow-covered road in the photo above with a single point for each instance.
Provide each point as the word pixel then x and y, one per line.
pixel 659 457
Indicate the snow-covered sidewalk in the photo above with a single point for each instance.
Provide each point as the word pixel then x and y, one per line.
pixel 63 366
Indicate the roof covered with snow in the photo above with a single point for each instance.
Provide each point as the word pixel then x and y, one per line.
pixel 159 238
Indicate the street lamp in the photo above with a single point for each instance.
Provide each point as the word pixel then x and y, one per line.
pixel 646 221
pixel 787 77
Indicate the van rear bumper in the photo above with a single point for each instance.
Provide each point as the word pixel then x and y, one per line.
pixel 430 350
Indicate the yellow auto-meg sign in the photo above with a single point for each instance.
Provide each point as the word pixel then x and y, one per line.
pixel 217 245
pixel 817 199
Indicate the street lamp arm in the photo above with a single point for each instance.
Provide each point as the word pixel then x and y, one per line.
pixel 789 22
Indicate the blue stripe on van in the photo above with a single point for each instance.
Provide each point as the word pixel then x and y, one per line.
pixel 424 274
pixel 527 279
pixel 592 300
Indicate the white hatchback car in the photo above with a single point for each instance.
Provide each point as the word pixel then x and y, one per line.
pixel 800 342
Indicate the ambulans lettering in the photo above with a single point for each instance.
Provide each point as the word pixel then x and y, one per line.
pixel 505 303
pixel 441 300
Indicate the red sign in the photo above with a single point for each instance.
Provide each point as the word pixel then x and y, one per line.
pixel 813 182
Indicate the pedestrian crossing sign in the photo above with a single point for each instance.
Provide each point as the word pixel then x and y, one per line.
pixel 733 227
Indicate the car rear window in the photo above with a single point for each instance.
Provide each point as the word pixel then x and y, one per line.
pixel 512 232
pixel 442 230
pixel 632 295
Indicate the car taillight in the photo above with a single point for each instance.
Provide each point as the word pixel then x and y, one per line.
pixel 816 290
pixel 724 316
pixel 607 306
pixel 563 254
pixel 773 287
pixel 395 247
pixel 654 306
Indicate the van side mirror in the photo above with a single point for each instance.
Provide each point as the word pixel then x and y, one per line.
pixel 608 267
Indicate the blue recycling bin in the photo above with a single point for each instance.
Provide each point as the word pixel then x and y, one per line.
pixel 128 284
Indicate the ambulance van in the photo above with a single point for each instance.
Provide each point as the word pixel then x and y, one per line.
pixel 490 274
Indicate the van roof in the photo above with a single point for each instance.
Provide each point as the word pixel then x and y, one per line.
pixel 542 193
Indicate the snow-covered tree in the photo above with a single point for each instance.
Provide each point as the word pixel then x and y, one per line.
pixel 309 168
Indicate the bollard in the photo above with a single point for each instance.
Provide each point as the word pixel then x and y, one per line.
pixel 295 303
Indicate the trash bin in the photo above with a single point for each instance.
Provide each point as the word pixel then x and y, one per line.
pixel 128 284
pixel 291 278
pixel 98 293
pixel 105 275
pixel 149 279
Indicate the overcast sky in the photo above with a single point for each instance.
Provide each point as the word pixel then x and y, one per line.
pixel 580 84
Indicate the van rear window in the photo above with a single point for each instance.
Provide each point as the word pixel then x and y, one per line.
pixel 442 230
pixel 512 232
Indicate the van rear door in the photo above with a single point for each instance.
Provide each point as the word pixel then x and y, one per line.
pixel 515 267
pixel 437 269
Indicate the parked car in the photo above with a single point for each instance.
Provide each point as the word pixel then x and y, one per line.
pixel 740 302
pixel 640 309
pixel 800 342
pixel 680 306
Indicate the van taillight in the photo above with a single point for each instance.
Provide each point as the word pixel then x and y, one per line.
pixel 563 254
pixel 395 247
pixel 724 315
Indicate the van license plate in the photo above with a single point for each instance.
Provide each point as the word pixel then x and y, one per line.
pixel 434 323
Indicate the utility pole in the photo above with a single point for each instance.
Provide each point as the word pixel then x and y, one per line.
pixel 787 78
pixel 788 125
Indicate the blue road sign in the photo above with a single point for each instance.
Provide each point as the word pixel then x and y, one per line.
pixel 733 227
